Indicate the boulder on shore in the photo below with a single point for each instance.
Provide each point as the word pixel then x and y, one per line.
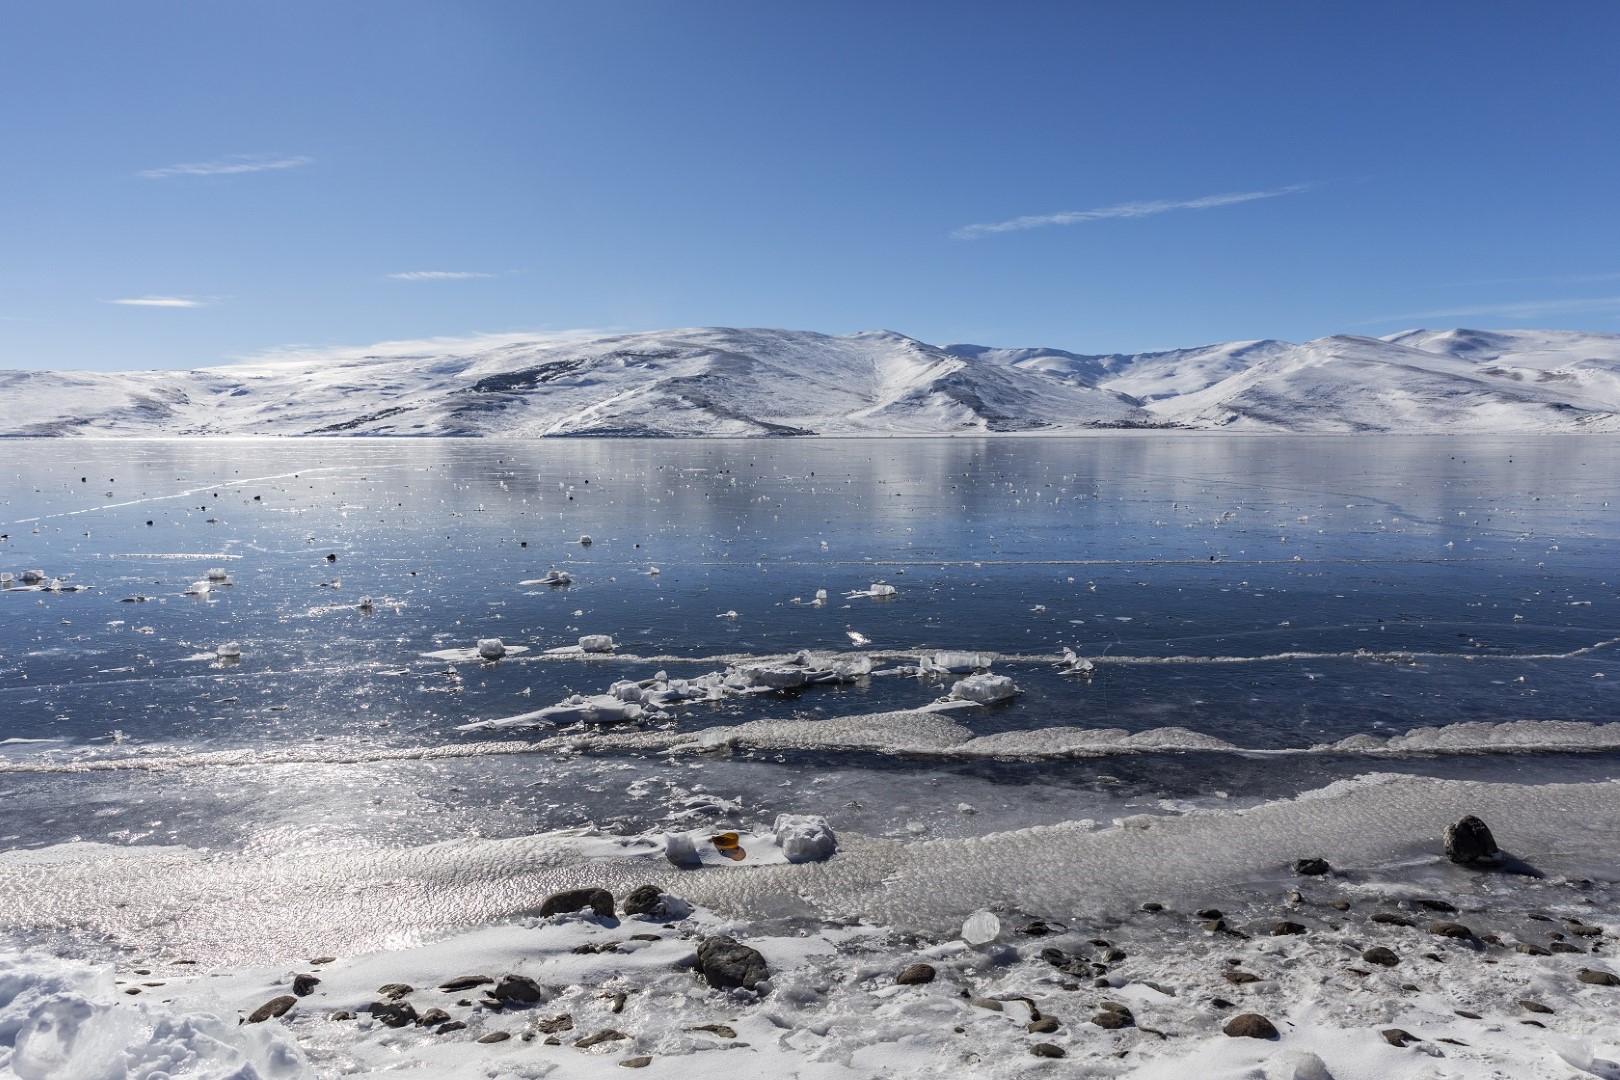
pixel 600 901
pixel 1250 1026
pixel 725 964
pixel 1469 840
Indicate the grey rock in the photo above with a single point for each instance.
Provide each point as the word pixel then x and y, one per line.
pixel 518 988
pixel 1113 1021
pixel 1310 867
pixel 276 1006
pixel 638 1062
pixel 1531 949
pixel 1597 978
pixel 605 1035
pixel 565 1022
pixel 915 975
pixel 393 1013
pixel 644 900
pixel 725 964
pixel 1533 1006
pixel 464 982
pixel 1250 1026
pixel 1044 1026
pixel 432 1017
pixel 600 901
pixel 495 1037
pixel 1238 978
pixel 304 985
pixel 987 1003
pixel 1469 840
pixel 1398 1036
pixel 394 990
pixel 1381 956
pixel 724 1031
pixel 1283 929
pixel 1450 930
pixel 320 961
pixel 1389 918
pixel 454 1025
pixel 341 1014
pixel 1048 1050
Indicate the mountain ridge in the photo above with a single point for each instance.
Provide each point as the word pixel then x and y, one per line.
pixel 761 382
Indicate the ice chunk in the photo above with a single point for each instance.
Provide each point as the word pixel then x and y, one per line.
pixel 1073 664
pixel 491 648
pixel 878 591
pixel 365 603
pixel 556 577
pixel 805 837
pixel 985 689
pixel 596 643
pixel 680 850
pixel 198 588
pixel 981 928
pixel 953 663
pixel 585 541
pixel 229 651
pixel 33 577
pixel 218 575
pixel 774 678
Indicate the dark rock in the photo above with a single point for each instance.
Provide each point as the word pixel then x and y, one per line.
pixel 644 900
pixel 1044 1026
pixel 724 1031
pixel 1067 963
pixel 640 1062
pixel 341 1014
pixel 1238 978
pixel 1152 905
pixel 395 1014
pixel 1221 1003
pixel 1450 930
pixel 1215 926
pixel 1036 929
pixel 646 937
pixel 605 1035
pixel 454 1025
pixel 1208 913
pixel 518 988
pixel 987 1003
pixel 915 975
pixel 322 960
pixel 1597 978
pixel 495 1037
pixel 600 901
pixel 1310 867
pixel 1339 905
pixel 1565 947
pixel 1250 1026
pixel 1389 918
pixel 432 1017
pixel 1470 841
pixel 276 1006
pixel 304 985
pixel 1113 1021
pixel 565 1022
pixel 1283 929
pixel 1530 949
pixel 1113 955
pixel 394 991
pixel 1398 1037
pixel 464 982
pixel 1580 929
pixel 1466 1015
pixel 1381 956
pixel 1048 1050
pixel 1533 1006
pixel 618 997
pixel 1437 905
pixel 724 964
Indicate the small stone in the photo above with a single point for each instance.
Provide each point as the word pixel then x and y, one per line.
pixel 1597 978
pixel 1565 947
pixel 1113 1021
pixel 1468 840
pixel 454 1025
pixel 1533 1006
pixel 551 1040
pixel 1036 929
pixel 1398 1037
pixel 495 1037
pixel 341 1014
pixel 518 988
pixel 618 997
pixel 1450 930
pixel 1101 983
pixel 1221 1003
pixel 1044 1026
pixel 725 964
pixel 1310 867
pixel 1215 926
pixel 987 1003
pixel 395 1014
pixel 276 1006
pixel 1339 905
pixel 646 937
pixel 319 961
pixel 1580 929
pixel 605 1035
pixel 600 901
pixel 1239 978
pixel 1437 905
pixel 464 982
pixel 1294 896
pixel 304 985
pixel 1113 955
pixel 724 1031
pixel 1381 956
pixel 1152 906
pixel 394 990
pixel 1530 949
pixel 915 975
pixel 1048 1050
pixel 636 1062
pixel 565 1022
pixel 644 900
pixel 1250 1026
pixel 432 1017
pixel 132 989
pixel 1389 918
pixel 1466 1015
pixel 1208 913
pixel 1283 929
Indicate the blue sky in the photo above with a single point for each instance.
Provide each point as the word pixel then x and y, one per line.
pixel 1095 177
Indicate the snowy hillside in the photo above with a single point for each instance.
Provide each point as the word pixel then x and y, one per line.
pixel 730 382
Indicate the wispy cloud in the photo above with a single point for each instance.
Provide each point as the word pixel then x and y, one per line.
pixel 1520 309
pixel 159 301
pixel 471 344
pixel 440 275
pixel 1122 210
pixel 228 166
pixel 1555 279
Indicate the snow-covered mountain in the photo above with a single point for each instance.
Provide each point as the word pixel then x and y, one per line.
pixel 729 382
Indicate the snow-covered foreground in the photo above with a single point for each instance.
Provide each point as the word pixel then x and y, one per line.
pixel 1394 963
pixel 733 382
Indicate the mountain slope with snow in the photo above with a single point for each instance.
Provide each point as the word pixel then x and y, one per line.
pixel 761 382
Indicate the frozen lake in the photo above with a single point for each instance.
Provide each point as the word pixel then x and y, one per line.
pixel 1273 595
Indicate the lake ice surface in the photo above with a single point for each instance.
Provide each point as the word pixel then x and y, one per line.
pixel 1270 596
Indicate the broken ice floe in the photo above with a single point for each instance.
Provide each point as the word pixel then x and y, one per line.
pixel 553 577
pixel 1073 664
pixel 491 648
pixel 986 689
pixel 477 652
pixel 795 838
pixel 952 663
pixel 230 650
pixel 878 591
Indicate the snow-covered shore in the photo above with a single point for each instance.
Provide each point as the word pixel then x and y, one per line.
pixel 1183 922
